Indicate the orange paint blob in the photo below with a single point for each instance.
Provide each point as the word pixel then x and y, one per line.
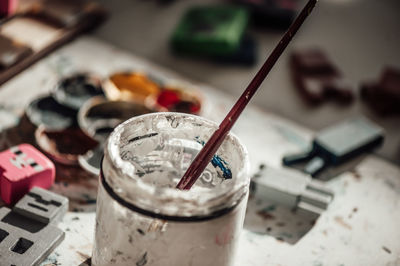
pixel 134 86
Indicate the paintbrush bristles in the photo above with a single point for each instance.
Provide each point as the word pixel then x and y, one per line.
pixel 205 155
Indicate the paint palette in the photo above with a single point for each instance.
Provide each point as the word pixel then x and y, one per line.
pixel 155 94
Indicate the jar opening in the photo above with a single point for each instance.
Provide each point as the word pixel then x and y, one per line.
pixel 146 156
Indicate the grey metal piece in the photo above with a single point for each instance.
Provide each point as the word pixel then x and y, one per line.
pixel 304 208
pixel 351 136
pixel 42 205
pixel 293 189
pixel 25 242
pixel 337 144
pixel 314 166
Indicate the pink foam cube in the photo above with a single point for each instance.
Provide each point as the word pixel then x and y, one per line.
pixel 21 168
pixel 8 7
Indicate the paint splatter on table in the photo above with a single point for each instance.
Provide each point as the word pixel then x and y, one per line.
pixel 360 227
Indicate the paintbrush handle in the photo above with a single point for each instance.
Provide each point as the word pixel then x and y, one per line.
pixel 207 152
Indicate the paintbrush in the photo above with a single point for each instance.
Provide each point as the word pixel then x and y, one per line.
pixel 207 152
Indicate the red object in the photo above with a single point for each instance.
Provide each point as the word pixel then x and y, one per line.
pixel 195 108
pixel 21 168
pixel 383 95
pixel 64 146
pixel 174 101
pixel 317 79
pixel 168 98
pixel 207 152
pixel 8 7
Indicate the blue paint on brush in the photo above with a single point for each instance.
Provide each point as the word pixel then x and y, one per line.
pixel 218 162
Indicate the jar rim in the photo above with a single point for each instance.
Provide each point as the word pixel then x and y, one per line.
pixel 174 218
pixel 186 203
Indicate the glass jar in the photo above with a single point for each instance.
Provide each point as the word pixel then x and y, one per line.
pixel 142 219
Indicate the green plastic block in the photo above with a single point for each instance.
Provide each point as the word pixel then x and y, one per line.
pixel 210 30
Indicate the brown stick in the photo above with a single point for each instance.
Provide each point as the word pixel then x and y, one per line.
pixel 212 145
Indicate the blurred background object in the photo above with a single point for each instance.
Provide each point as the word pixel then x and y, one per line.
pixel 271 14
pixel 337 144
pixel 317 79
pixel 210 30
pixel 383 95
pixel 222 43
pixel 360 37
pixel 29 30
pixel 216 32
pixel 8 7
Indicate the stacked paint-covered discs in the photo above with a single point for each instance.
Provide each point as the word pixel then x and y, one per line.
pixel 55 118
pixel 155 93
pixel 74 121
pixel 75 90
pixel 97 118
pixel 46 111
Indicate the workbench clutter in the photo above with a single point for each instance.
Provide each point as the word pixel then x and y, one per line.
pixel 55 21
pixel 302 190
pixel 338 230
pixel 318 80
pixel 115 146
pixel 71 125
